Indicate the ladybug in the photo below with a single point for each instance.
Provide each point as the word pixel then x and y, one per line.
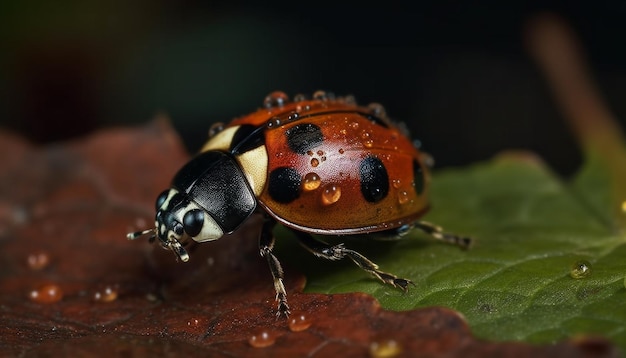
pixel 319 166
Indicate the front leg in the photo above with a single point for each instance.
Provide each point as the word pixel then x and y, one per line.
pixel 266 244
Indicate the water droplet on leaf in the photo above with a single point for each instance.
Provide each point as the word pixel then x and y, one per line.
pixel 385 348
pixel 107 294
pixel 580 269
pixel 262 339
pixel 38 260
pixel 299 322
pixel 49 293
pixel 193 322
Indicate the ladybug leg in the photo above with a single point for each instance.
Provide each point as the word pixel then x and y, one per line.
pixel 266 244
pixel 338 252
pixel 438 233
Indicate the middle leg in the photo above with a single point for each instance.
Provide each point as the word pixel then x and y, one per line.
pixel 266 245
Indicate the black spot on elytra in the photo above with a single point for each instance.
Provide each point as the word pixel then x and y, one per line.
pixel 418 177
pixel 284 184
pixel 246 138
pixel 374 179
pixel 304 137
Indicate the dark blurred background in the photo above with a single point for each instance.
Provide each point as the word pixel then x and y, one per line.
pixel 457 72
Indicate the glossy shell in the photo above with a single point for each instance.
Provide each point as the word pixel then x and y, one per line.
pixel 327 166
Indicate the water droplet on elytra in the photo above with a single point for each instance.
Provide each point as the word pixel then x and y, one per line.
pixel 311 181
pixel 385 348
pixel 315 162
pixel 331 194
pixel 580 269
pixel 273 122
pixel 299 322
pixel 38 260
pixel 49 293
pixel 320 95
pixel 350 100
pixel 367 140
pixel 275 99
pixel 299 97
pixel 377 109
pixel 262 339
pixel 403 197
pixel 215 129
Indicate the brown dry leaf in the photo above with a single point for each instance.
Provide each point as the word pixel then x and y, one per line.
pixel 64 213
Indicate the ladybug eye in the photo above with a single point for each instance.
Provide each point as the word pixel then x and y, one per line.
pixel 161 199
pixel 193 222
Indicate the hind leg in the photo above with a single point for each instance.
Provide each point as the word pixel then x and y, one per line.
pixel 338 252
pixel 438 233
pixel 433 230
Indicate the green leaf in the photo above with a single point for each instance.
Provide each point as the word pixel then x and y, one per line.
pixel 530 227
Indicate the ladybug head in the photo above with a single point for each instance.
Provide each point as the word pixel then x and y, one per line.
pixel 177 220
pixel 210 197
